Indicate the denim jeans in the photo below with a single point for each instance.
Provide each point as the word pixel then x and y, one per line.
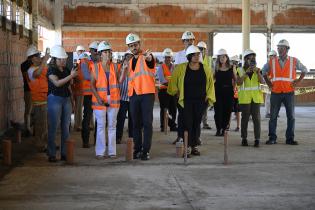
pixel 141 107
pixel 59 111
pixel 276 100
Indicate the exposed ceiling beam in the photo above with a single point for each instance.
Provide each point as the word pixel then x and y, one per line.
pixel 181 28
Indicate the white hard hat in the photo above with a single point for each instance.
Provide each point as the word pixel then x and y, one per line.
pixel 283 42
pixel 104 46
pixel 94 45
pixel 221 52
pixel 248 52
pixel 58 51
pixel 167 52
pixel 235 58
pixel 80 47
pixel 202 44
pixel 188 35
pixel 272 53
pixel 84 56
pixel 131 38
pixel 32 50
pixel 192 49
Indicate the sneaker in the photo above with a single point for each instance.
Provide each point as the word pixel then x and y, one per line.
pixel 244 143
pixel 195 151
pixel 206 126
pixel 269 142
pixel 256 143
pixel 137 155
pixel 145 156
pixel 291 142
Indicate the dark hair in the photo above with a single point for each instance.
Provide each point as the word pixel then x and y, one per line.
pixel 218 64
pixel 52 62
pixel 189 57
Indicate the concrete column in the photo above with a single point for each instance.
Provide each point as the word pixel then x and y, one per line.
pixel 269 25
pixel 58 21
pixel 34 22
pixel 246 24
pixel 210 43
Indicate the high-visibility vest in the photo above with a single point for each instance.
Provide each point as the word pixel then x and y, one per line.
pixel 77 81
pixel 86 84
pixel 250 89
pixel 142 79
pixel 282 78
pixel 39 87
pixel 167 75
pixel 101 86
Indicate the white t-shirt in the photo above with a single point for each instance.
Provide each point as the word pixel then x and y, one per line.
pixel 30 72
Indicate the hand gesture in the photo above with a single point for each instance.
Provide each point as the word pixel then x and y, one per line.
pixel 147 55
pixel 74 73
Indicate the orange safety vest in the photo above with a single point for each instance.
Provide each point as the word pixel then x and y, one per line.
pixel 167 75
pixel 39 87
pixel 86 84
pixel 101 86
pixel 282 78
pixel 142 79
pixel 76 87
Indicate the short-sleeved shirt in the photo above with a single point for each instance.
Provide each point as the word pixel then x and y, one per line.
pixel 298 66
pixel 62 91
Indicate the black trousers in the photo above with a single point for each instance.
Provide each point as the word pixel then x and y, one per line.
pixel 167 102
pixel 180 122
pixel 87 114
pixel 193 111
pixel 223 108
pixel 141 107
pixel 121 117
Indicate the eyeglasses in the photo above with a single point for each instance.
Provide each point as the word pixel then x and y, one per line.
pixel 133 45
pixel 188 40
pixel 93 50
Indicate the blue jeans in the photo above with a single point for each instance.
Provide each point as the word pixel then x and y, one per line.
pixel 276 99
pixel 59 111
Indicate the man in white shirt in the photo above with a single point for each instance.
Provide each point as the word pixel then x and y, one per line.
pixel 188 39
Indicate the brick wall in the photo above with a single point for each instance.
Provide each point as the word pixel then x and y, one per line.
pixel 12 54
pixel 156 41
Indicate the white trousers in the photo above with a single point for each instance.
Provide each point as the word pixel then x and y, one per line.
pixel 267 103
pixel 100 146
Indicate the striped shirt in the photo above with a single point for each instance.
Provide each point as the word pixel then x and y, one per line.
pixel 124 90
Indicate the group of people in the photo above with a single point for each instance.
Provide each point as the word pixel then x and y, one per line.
pixel 187 88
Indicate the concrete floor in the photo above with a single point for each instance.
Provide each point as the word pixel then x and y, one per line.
pixel 270 177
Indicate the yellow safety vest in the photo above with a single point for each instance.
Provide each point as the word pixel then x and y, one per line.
pixel 250 89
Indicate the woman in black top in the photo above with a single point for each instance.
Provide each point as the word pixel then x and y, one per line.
pixel 58 102
pixel 224 80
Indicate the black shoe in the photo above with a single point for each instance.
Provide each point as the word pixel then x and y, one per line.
pixel 86 145
pixel 173 128
pixel 222 133
pixel 145 156
pixel 63 158
pixel 256 143
pixel 217 133
pixel 291 142
pixel 269 142
pixel 52 159
pixel 195 151
pixel 137 155
pixel 206 126
pixel 244 143
pixel 162 129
